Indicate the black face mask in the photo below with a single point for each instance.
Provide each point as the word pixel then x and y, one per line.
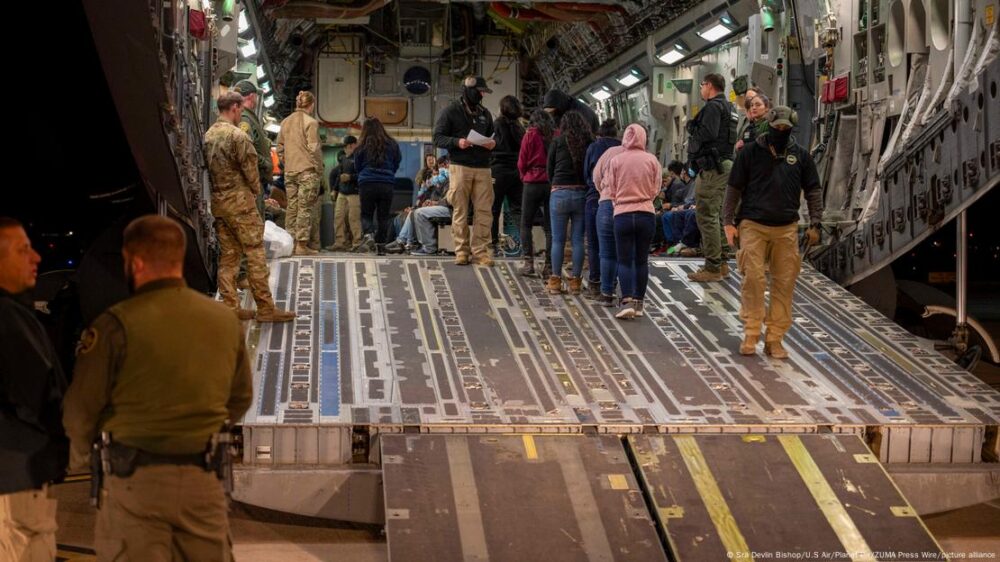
pixel 472 95
pixel 778 139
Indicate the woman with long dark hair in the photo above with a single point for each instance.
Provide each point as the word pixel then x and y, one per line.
pixel 569 191
pixel 607 137
pixel 376 161
pixel 503 165
pixel 531 165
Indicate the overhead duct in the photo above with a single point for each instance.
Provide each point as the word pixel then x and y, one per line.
pixel 311 9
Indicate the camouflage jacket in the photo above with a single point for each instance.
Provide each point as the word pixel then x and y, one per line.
pixel 298 144
pixel 232 165
pixel 250 124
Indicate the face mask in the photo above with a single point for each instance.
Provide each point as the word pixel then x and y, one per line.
pixel 778 139
pixel 473 96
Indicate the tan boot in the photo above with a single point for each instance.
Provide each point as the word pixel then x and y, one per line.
pixel 245 313
pixel 724 270
pixel 554 285
pixel 461 259
pixel 775 349
pixel 275 315
pixel 303 250
pixel 484 260
pixel 575 285
pixel 749 345
pixel 705 276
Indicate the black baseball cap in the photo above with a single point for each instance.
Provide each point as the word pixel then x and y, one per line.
pixel 478 82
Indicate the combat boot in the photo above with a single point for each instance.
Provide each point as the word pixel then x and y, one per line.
pixel 605 300
pixel 775 349
pixel 547 270
pixel 483 260
pixel 461 259
pixel 705 276
pixel 273 314
pixel 554 285
pixel 749 345
pixel 724 270
pixel 575 285
pixel 303 250
pixel 527 267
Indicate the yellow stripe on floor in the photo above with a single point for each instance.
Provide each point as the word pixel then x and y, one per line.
pixel 836 515
pixel 529 447
pixel 708 489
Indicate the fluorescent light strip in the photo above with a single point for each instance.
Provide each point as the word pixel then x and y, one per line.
pixel 601 94
pixel 629 79
pixel 260 72
pixel 714 33
pixel 671 56
pixel 248 50
pixel 243 24
pixel 268 101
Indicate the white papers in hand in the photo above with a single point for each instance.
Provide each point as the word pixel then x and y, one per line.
pixel 477 139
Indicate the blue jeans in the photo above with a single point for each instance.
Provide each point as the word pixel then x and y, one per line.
pixel 567 207
pixel 633 233
pixel 685 227
pixel 593 246
pixel 406 234
pixel 609 251
pixel 669 236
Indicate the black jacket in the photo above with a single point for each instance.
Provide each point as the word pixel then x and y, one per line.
pixel 713 131
pixel 508 137
pixel 34 448
pixel 563 102
pixel 453 124
pixel 561 168
pixel 345 165
pixel 768 188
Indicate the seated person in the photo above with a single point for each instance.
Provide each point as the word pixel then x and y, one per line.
pixel 430 195
pixel 677 196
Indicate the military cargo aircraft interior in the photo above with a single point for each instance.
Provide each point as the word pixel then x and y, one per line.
pixel 454 280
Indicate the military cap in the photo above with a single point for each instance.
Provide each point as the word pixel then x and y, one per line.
pixel 245 88
pixel 478 82
pixel 782 115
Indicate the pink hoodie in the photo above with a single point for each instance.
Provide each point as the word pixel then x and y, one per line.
pixel 601 171
pixel 633 177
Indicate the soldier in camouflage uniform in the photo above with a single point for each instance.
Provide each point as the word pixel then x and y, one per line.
pixel 250 124
pixel 232 163
pixel 299 147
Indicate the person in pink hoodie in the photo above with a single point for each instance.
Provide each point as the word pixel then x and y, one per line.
pixel 633 180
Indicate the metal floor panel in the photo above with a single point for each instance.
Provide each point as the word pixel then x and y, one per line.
pixel 423 342
pixel 514 497
pixel 731 497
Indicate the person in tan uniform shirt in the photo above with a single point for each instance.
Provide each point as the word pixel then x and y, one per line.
pixel 161 372
pixel 232 164
pixel 299 147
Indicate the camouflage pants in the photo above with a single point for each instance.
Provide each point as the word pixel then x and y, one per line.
pixel 163 513
pixel 302 190
pixel 241 235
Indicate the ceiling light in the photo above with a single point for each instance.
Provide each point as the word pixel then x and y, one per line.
pixel 268 101
pixel 714 32
pixel 273 128
pixel 244 25
pixel 583 101
pixel 631 78
pixel 249 50
pixel 260 72
pixel 675 53
pixel 601 93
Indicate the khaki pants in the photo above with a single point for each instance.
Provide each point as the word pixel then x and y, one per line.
pixel 347 222
pixel 243 235
pixel 778 247
pixel 28 526
pixel 302 190
pixel 163 513
pixel 475 185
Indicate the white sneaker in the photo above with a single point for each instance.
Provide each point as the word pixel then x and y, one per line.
pixel 676 248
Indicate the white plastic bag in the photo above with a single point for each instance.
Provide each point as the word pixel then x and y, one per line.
pixel 278 243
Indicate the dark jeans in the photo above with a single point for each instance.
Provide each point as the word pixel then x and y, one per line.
pixel 609 250
pixel 567 209
pixel 506 184
pixel 633 233
pixel 593 239
pixel 685 227
pixel 376 200
pixel 535 199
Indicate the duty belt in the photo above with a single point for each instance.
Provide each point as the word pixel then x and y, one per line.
pixel 124 460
